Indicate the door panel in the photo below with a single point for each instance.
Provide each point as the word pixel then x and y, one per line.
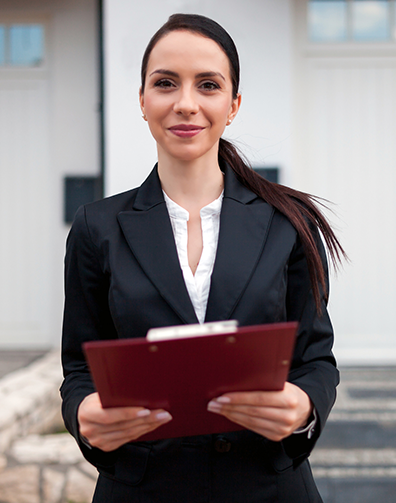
pixel 24 213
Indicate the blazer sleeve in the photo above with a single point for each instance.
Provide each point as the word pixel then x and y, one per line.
pixel 86 318
pixel 313 367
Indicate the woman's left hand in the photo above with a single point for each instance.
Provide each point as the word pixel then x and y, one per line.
pixel 273 414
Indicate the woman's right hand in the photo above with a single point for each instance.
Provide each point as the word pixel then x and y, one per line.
pixel 108 429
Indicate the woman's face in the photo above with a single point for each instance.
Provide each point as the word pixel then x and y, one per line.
pixel 187 98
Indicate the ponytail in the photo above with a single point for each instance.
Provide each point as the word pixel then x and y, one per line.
pixel 300 208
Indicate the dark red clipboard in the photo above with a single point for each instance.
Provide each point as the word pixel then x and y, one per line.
pixel 183 375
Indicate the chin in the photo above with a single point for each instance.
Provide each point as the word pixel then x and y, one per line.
pixel 189 155
pixel 188 158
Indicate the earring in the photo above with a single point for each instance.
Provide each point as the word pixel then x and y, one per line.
pixel 229 122
pixel 144 117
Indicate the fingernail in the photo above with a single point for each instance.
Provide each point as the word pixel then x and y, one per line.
pixel 223 399
pixel 163 416
pixel 143 413
pixel 214 406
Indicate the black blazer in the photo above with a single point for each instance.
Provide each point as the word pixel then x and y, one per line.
pixel 123 277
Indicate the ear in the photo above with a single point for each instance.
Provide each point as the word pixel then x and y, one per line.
pixel 141 100
pixel 236 103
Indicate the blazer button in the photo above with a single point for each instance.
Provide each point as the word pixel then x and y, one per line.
pixel 222 444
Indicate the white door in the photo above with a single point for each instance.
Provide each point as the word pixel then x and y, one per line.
pixel 24 203
pixel 345 151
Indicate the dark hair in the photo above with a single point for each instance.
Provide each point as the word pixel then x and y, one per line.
pixel 300 208
pixel 205 27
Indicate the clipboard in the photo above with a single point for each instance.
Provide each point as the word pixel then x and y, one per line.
pixel 183 375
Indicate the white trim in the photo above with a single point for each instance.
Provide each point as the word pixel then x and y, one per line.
pixel 367 356
pixel 351 49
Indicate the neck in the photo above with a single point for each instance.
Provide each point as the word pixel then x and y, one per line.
pixel 191 184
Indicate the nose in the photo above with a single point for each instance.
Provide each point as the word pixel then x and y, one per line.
pixel 185 103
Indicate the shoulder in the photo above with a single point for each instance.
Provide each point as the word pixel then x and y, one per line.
pixel 109 207
pixel 95 221
pixel 98 221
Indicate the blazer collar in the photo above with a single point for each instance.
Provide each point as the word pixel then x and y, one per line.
pixel 243 231
pixel 244 224
pixel 149 234
pixel 150 192
pixel 234 189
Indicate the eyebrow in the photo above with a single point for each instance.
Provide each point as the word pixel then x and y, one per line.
pixel 197 76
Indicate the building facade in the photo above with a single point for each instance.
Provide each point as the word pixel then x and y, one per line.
pixel 318 102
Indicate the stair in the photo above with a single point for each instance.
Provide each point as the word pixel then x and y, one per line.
pixel 355 458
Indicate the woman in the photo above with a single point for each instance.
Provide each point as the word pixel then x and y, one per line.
pixel 204 238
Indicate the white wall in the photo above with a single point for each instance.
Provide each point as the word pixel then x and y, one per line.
pixel 262 32
pixel 74 109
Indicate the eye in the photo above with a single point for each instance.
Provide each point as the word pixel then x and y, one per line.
pixel 209 85
pixel 164 84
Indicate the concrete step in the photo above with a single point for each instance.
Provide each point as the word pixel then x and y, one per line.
pixel 355 458
pixel 370 490
pixel 355 435
pixel 11 360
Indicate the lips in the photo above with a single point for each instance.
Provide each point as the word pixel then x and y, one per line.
pixel 186 130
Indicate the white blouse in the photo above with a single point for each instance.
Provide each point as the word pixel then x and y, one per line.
pixel 198 285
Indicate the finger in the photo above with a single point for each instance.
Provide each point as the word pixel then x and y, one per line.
pixel 270 429
pixel 286 398
pixel 257 398
pixel 113 415
pixel 273 414
pixel 92 430
pixel 111 439
pixel 91 410
pixel 143 416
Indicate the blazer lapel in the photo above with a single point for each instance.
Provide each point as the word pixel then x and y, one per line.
pixel 149 234
pixel 243 232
